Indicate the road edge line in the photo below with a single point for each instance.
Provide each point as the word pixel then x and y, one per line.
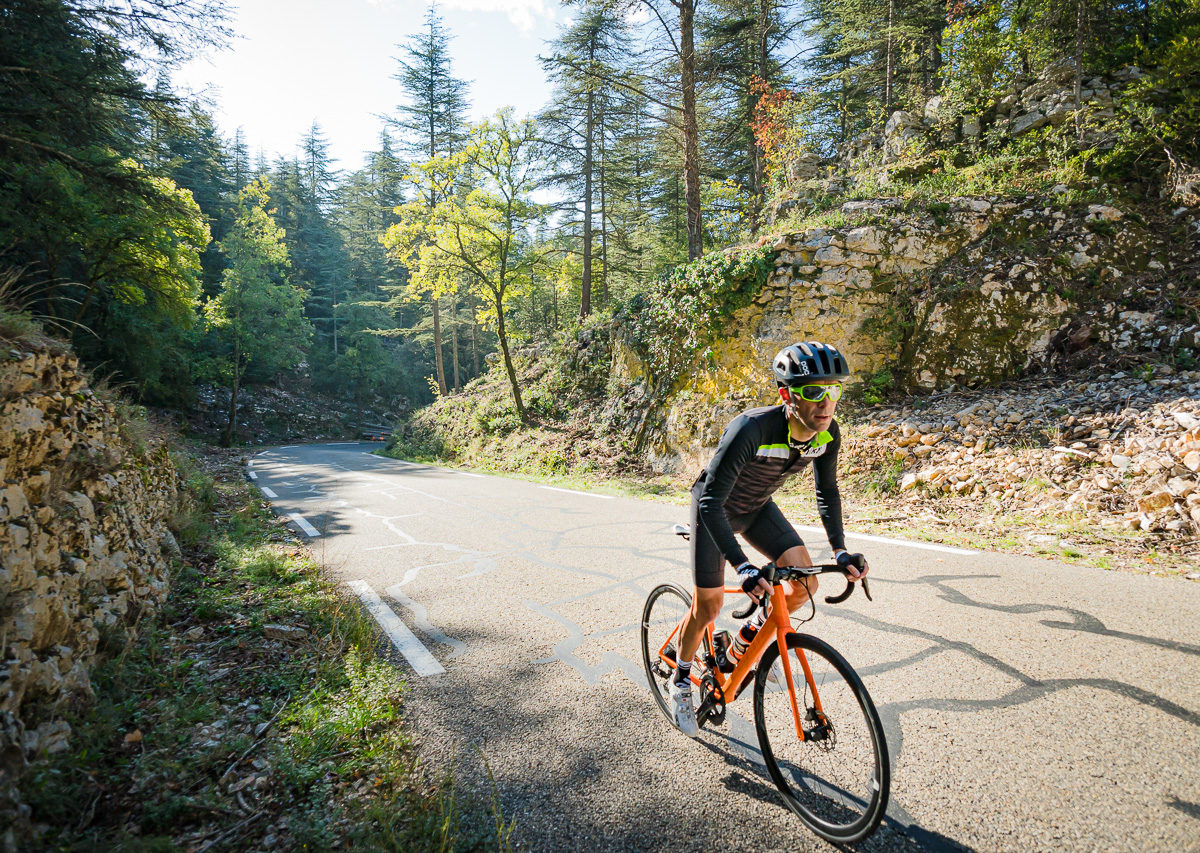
pixel 419 658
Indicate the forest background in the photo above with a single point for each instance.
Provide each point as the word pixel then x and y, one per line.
pixel 175 261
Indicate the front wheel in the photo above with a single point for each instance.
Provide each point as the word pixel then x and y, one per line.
pixel 836 778
pixel 664 610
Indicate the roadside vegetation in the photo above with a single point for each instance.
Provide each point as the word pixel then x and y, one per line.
pixel 585 437
pixel 256 711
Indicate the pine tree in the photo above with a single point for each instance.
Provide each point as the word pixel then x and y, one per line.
pixel 585 60
pixel 432 122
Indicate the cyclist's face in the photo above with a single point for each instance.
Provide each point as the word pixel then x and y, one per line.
pixel 815 416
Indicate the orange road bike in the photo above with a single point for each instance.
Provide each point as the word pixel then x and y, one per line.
pixel 819 733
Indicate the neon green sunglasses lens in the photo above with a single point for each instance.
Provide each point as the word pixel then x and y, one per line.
pixel 817 393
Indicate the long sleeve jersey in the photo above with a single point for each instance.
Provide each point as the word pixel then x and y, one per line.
pixel 755 456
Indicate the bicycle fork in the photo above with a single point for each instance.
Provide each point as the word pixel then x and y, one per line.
pixel 780 617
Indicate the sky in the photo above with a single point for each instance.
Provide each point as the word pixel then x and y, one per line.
pixel 296 61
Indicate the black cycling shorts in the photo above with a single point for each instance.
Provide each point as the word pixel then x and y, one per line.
pixel 767 531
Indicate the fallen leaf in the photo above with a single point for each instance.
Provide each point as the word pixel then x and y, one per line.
pixel 134 736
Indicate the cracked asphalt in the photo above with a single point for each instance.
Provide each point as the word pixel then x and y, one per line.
pixel 1028 704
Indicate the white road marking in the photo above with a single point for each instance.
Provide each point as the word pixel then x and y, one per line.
pixel 925 546
pixel 469 474
pixel 250 464
pixel 303 524
pixel 253 476
pixel 421 617
pixel 337 443
pixel 289 447
pixel 573 492
pixel 268 492
pixel 402 638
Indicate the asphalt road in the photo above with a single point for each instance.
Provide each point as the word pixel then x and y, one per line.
pixel 1028 704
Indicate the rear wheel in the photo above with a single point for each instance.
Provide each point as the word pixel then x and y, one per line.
pixel 836 778
pixel 664 610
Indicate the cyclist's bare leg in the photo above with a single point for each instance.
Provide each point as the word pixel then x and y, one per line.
pixel 798 593
pixel 706 605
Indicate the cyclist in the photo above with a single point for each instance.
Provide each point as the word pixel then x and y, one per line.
pixel 757 452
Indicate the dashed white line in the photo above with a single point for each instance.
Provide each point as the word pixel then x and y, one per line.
pixel 253 476
pixel 268 492
pixel 573 492
pixel 303 524
pixel 402 638
pixel 469 474
pixel 924 546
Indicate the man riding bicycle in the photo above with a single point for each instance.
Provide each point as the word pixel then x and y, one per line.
pixel 757 452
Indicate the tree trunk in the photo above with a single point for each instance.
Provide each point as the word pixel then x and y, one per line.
pixel 554 303
pixel 887 80
pixel 333 318
pixel 454 341
pixel 87 300
pixel 757 166
pixel 1080 21
pixel 585 290
pixel 227 441
pixel 474 342
pixel 437 347
pixel 842 109
pixel 603 221
pixel 691 134
pixel 498 298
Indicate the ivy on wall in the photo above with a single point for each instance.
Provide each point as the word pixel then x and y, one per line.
pixel 677 320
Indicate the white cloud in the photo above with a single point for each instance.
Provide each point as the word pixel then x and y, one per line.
pixel 520 12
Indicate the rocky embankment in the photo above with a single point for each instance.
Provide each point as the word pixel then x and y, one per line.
pixel 1117 450
pixel 969 293
pixel 279 415
pixel 85 544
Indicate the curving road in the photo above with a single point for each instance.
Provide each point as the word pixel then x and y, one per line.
pixel 1028 704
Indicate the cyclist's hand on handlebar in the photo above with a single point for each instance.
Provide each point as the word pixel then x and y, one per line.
pixel 855 564
pixel 753 583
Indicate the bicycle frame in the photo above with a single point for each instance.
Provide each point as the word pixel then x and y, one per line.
pixel 780 619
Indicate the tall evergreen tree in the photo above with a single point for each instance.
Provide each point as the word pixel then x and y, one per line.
pixel 433 120
pixel 585 60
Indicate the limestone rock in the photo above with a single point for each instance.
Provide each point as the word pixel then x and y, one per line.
pixel 1030 121
pixel 70 560
pixel 1154 502
pixel 284 632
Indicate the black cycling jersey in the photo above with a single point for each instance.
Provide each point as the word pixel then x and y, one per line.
pixel 755 456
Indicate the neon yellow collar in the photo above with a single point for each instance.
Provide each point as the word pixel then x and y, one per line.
pixel 819 440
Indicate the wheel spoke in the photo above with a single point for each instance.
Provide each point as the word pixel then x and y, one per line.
pixel 835 778
pixel 665 609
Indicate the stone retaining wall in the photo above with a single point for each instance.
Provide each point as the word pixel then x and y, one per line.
pixel 963 294
pixel 85 544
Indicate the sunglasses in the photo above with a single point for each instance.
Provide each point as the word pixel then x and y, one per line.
pixel 817 393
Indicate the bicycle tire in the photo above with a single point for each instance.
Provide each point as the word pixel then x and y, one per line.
pixel 665 606
pixel 837 781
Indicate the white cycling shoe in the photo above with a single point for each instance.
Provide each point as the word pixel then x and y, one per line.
pixel 683 713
